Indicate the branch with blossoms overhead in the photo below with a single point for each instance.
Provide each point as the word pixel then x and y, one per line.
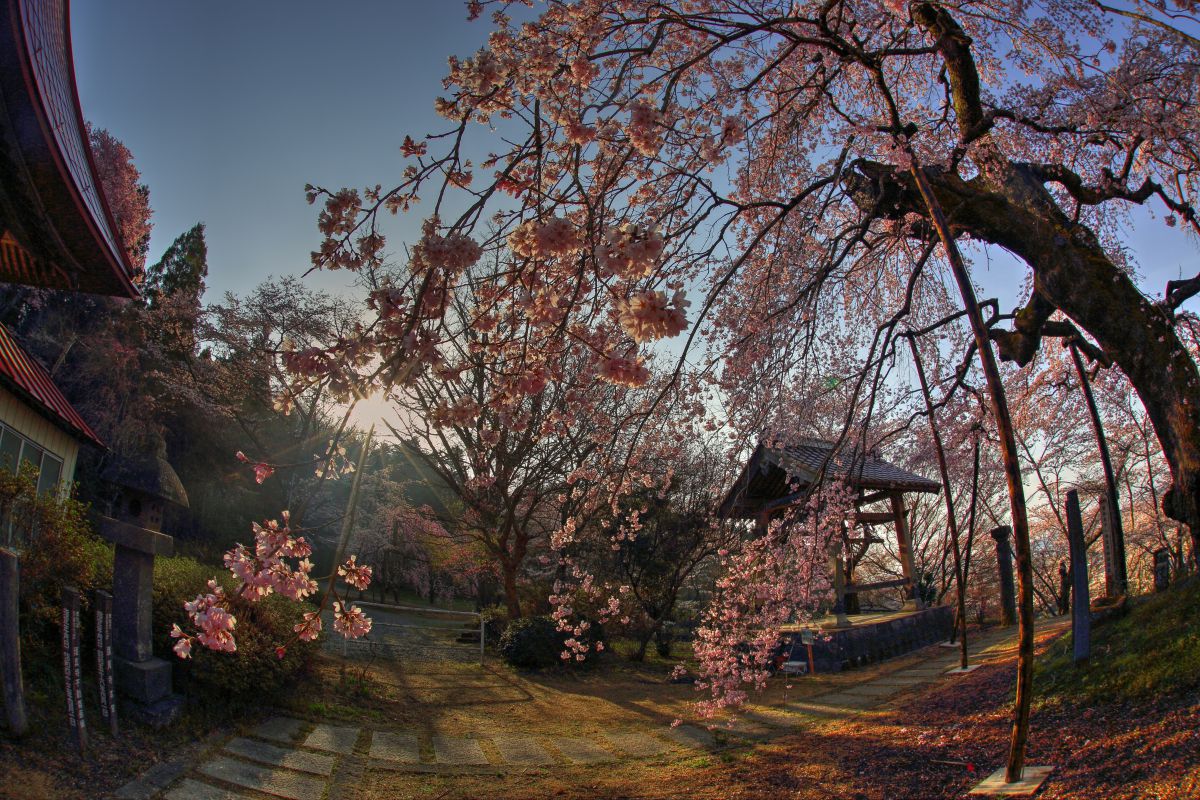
pixel 277 564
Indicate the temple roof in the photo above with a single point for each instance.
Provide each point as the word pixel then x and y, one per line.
pixel 56 230
pixel 776 473
pixel 26 378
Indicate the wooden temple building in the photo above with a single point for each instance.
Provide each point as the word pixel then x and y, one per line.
pixel 775 479
pixel 56 230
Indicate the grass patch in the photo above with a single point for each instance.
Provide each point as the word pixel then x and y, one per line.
pixel 1152 650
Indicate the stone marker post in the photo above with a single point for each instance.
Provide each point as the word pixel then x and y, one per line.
pixel 72 668
pixel 10 644
pixel 1113 582
pixel 1162 569
pixel 140 676
pixel 1081 608
pixel 1004 563
pixel 104 659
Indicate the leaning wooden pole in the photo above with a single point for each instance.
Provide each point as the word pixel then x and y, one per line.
pixel 971 514
pixel 1117 535
pixel 1012 474
pixel 951 520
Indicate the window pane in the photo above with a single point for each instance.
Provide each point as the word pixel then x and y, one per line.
pixel 10 450
pixel 32 454
pixel 51 472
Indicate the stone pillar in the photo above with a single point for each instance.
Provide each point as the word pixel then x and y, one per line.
pixel 1004 563
pixel 911 601
pixel 1081 608
pixel 1162 569
pixel 141 677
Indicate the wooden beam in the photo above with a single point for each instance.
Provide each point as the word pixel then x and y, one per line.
pixel 873 497
pixel 784 502
pixel 876 517
pixel 866 587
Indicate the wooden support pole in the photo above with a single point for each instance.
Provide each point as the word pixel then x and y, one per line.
pixel 1081 610
pixel 10 644
pixel 951 519
pixel 1012 472
pixel 839 586
pixel 911 601
pixel 971 515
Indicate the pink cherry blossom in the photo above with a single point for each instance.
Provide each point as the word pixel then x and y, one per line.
pixel 649 315
pixel 349 621
pixel 355 574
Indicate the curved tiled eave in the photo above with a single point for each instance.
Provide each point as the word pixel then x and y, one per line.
pixel 56 230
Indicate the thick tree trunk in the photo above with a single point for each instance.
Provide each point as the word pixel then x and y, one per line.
pixel 512 601
pixel 1072 273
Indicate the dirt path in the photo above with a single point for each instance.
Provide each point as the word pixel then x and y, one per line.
pixel 446 724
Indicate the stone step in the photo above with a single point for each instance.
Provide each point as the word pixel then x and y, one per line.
pixel 333 738
pixel 400 748
pixel 280 729
pixel 188 789
pixel 264 753
pixel 581 751
pixel 522 750
pixel 458 751
pixel 279 782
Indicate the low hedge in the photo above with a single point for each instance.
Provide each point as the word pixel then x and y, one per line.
pixel 536 642
pixel 532 643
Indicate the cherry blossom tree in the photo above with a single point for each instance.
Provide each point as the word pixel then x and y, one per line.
pixel 128 199
pixel 806 172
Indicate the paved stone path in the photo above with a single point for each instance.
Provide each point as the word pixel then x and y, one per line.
pixel 299 760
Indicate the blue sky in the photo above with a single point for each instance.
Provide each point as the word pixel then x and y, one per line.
pixel 231 107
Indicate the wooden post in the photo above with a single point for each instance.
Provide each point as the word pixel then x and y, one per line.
pixel 839 587
pixel 72 670
pixel 1081 611
pixel 10 644
pixel 951 518
pixel 104 660
pixel 1012 472
pixel 1004 565
pixel 911 601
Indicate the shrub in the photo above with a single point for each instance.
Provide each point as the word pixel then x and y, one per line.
pixel 495 619
pixel 254 670
pixel 531 643
pixel 57 546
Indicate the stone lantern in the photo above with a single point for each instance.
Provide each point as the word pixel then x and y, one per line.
pixel 144 485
